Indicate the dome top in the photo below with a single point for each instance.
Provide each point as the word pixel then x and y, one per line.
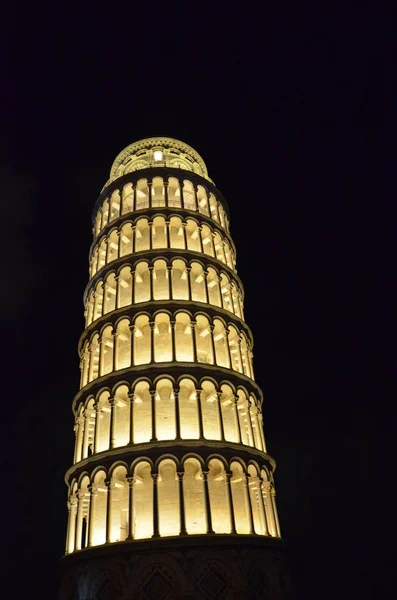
pixel 157 152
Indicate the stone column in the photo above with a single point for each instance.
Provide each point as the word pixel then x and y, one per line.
pixel 156 531
pixel 150 225
pixel 262 434
pixel 200 229
pixel 212 327
pixel 182 194
pixel 133 245
pixel 110 485
pixel 206 294
pixel 132 286
pixel 218 401
pixel 248 409
pixel 200 415
pixel 97 407
pixel 71 530
pixel 249 502
pixel 79 524
pixel 91 524
pixel 149 184
pixel 169 275
pixel 182 518
pixel 231 507
pixel 116 300
pixel 240 353
pixel 112 422
pixel 154 434
pixel 196 204
pixel 273 499
pixel 167 233
pixel 237 419
pixel 207 503
pixel 152 328
pixel 189 283
pixel 85 436
pixel 177 415
pixel 132 329
pixel 165 183
pixel 131 436
pixel 262 489
pixel 151 283
pixel 194 340
pixel 184 227
pixel 267 503
pixel 134 197
pixel 131 482
pixel 173 340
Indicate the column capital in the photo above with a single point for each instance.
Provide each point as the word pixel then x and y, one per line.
pixel 131 481
pixel 109 484
pixel 93 489
pixel 155 477
pixel 180 474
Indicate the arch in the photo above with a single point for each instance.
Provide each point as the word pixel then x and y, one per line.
pixel 98 217
pixel 177 238
pixel 121 416
pixel 256 500
pixel 123 345
pixel 188 410
pixel 159 233
pixel 219 501
pixel 83 510
pixel 168 499
pixel 174 193
pixel 106 361
pixel 142 407
pixel 158 195
pixel 244 418
pixel 142 282
pixel 94 358
pixel 240 498
pixel 143 501
pixel 183 338
pixel 225 292
pixel 105 213
pixel 124 296
pixel 98 526
pixel 98 302
pixel 142 235
pixel 142 194
pixel 102 254
pixel 119 505
pixel 202 200
pixel 197 282
pixel 180 288
pixel 219 250
pixel 114 210
pixel 234 348
pixel 193 236
pixel 194 499
pixel 162 338
pixel 214 295
pixel 229 416
pixel 102 432
pixel 189 196
pixel 127 204
pixel 220 343
pixel 110 290
pixel 165 410
pixel 85 364
pixel 142 340
pixel 160 280
pixel 207 240
pixel 203 340
pixel 213 207
pixel 126 239
pixel 228 255
pixel 113 246
pixel 245 356
pixel 210 411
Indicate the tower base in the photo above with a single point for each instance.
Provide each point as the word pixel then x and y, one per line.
pixel 194 567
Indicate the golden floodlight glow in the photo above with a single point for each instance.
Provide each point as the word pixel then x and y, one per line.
pixel 168 418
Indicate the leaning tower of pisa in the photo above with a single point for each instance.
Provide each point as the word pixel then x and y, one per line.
pixel 171 492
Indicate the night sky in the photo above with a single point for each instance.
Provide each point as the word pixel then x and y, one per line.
pixel 288 116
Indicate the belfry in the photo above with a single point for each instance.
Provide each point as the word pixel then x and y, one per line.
pixel 171 492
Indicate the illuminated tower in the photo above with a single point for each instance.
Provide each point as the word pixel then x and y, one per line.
pixel 171 491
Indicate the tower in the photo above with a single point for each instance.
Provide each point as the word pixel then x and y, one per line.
pixel 171 491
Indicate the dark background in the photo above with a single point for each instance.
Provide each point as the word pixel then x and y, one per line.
pixel 287 113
